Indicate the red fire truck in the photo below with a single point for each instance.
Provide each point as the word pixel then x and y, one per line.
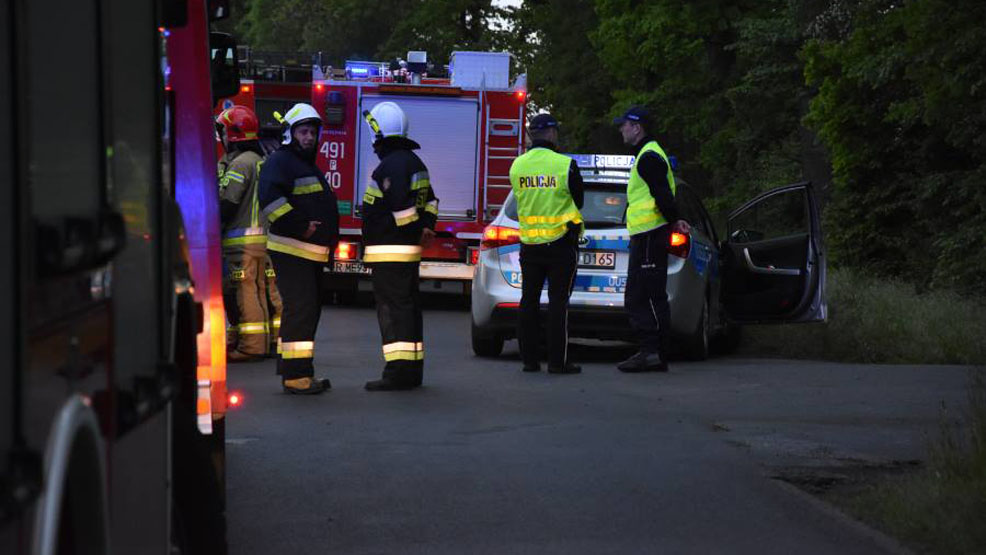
pixel 270 82
pixel 113 382
pixel 471 126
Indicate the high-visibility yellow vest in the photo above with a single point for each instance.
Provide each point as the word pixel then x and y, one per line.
pixel 643 214
pixel 539 179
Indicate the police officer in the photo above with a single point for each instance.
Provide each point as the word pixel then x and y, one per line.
pixel 549 193
pixel 252 302
pixel 304 228
pixel 650 208
pixel 399 215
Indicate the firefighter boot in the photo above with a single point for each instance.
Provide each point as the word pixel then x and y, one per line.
pixel 306 386
pixel 644 362
pixel 569 368
pixel 389 384
pixel 234 355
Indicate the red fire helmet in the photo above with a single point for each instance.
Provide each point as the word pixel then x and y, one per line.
pixel 239 124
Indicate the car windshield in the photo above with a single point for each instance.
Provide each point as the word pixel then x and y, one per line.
pixel 605 206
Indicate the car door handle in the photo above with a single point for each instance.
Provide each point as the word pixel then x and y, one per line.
pixel 768 269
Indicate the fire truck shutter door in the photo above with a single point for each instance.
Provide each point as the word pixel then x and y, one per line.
pixel 448 131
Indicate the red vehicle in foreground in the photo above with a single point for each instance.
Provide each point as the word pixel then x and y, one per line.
pixel 113 384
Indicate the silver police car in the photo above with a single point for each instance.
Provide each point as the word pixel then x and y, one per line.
pixel 769 269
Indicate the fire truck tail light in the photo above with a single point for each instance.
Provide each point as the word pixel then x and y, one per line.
pixel 473 257
pixel 319 87
pixel 345 251
pixel 496 236
pixel 521 95
pixel 245 88
pixel 679 245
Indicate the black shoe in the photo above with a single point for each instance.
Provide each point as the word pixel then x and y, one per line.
pixel 643 362
pixel 535 368
pixel 387 384
pixel 306 386
pixel 567 369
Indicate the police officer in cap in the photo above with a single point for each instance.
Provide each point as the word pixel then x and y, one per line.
pixel 549 193
pixel 650 210
pixel 304 229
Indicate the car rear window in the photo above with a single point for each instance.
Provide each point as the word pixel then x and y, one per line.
pixel 605 206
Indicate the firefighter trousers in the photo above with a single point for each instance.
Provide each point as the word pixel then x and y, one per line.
pixel 250 308
pixel 298 281
pixel 646 296
pixel 398 299
pixel 276 307
pixel 556 262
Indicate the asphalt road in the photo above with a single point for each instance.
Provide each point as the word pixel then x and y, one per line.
pixel 487 459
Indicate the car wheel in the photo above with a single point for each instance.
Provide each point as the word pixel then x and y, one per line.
pixel 698 343
pixel 486 344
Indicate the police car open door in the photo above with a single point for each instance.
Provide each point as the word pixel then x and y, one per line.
pixel 773 259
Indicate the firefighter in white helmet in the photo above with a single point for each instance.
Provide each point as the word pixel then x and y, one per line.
pixel 399 215
pixel 304 229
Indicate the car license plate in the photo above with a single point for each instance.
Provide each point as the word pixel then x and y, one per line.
pixel 597 259
pixel 350 268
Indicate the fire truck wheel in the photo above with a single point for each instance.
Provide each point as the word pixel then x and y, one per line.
pixel 485 343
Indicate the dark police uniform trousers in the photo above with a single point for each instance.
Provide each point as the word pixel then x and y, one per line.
pixel 646 294
pixel 557 262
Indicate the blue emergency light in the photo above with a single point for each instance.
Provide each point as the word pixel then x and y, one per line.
pixel 362 70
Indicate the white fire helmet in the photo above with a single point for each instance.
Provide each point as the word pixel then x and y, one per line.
pixel 387 120
pixel 299 113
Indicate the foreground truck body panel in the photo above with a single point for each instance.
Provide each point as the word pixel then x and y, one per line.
pixel 99 447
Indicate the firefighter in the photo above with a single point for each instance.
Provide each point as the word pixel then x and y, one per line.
pixel 251 299
pixel 399 215
pixel 304 228
pixel 549 192
pixel 650 208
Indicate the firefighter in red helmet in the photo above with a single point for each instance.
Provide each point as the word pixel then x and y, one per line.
pixel 253 305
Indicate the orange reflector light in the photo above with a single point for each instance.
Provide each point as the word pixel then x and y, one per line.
pixel 235 399
pixel 245 88
pixel 345 251
pixel 678 239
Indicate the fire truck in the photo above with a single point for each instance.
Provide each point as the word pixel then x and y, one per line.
pixel 471 126
pixel 113 388
pixel 270 82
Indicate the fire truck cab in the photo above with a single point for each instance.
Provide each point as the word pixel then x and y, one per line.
pixel 470 125
pixel 113 381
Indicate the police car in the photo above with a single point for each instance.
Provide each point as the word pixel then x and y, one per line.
pixel 769 269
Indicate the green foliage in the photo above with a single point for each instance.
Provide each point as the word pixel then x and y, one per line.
pixel 901 105
pixel 881 103
pixel 876 320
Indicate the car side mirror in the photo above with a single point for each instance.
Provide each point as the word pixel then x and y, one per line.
pixel 224 66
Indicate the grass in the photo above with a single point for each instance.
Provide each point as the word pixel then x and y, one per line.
pixel 879 321
pixel 942 507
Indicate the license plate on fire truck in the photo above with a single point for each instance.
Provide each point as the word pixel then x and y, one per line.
pixel 597 259
pixel 350 268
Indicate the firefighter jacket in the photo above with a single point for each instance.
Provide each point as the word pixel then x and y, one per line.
pixel 398 204
pixel 643 211
pixel 545 204
pixel 293 192
pixel 243 231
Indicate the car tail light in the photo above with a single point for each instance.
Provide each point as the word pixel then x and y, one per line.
pixel 496 236
pixel 345 251
pixel 680 244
